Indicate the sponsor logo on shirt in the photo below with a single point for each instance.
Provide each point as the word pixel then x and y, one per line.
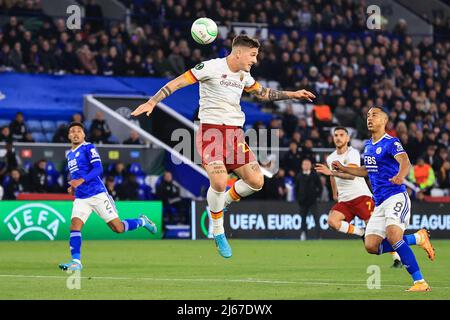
pixel 94 153
pixel 399 146
pixel 231 83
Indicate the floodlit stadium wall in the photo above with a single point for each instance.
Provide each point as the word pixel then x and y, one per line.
pixel 281 220
pixel 50 220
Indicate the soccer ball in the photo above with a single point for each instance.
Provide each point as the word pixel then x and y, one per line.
pixel 204 30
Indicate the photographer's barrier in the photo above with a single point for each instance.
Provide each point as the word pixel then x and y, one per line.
pixel 50 220
pixel 281 220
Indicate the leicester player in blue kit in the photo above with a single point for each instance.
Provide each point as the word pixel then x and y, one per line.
pixel 91 195
pixel 387 164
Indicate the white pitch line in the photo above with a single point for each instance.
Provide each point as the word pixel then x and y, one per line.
pixel 298 282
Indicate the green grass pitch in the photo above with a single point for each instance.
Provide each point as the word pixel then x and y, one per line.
pixel 185 269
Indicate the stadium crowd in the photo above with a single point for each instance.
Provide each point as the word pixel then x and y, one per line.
pixel 349 70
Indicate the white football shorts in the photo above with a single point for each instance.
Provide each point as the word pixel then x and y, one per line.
pixel 102 204
pixel 395 210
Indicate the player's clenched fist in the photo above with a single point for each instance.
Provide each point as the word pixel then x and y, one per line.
pixel 146 107
pixel 336 165
pixel 303 94
pixel 323 169
pixel 71 190
pixel 396 180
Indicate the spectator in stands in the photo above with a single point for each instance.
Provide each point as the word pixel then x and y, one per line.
pixel 308 189
pixel 99 123
pixel 15 58
pixel 77 117
pixel 291 161
pixel 417 146
pixel 87 60
pixel 16 185
pixel 444 175
pixel 5 134
pixel 344 114
pixel 430 155
pixel 47 58
pixel 38 177
pixel 325 195
pixel 119 173
pixel 176 61
pixel 289 120
pixel 169 193
pixel 422 174
pixel 18 128
pixel 275 188
pixel 111 187
pixel 61 134
pixel 128 190
pixel 307 150
pixel 28 138
pixel 133 139
pixel 5 62
pixel 12 160
pixel 96 136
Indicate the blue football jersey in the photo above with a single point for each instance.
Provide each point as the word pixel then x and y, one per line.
pixel 381 166
pixel 80 163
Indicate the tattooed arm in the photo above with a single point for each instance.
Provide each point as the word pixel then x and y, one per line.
pixel 267 94
pixel 180 82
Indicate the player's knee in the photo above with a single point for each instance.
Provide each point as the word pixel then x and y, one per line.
pixel 393 239
pixel 371 247
pixel 333 223
pixel 256 182
pixel 118 228
pixel 219 186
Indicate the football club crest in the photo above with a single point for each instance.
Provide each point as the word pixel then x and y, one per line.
pixel 378 151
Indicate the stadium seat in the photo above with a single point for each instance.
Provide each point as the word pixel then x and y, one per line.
pixel 34 126
pixel 151 180
pixel 145 192
pixel 4 122
pixel 110 168
pixel 60 122
pixel 118 180
pixel 87 125
pixel 140 179
pixel 27 165
pixel 39 137
pixel 6 180
pixel 113 139
pixel 136 169
pixel 49 136
pixel 52 174
pixel 48 126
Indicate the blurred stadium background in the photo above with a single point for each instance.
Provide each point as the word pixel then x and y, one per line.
pixel 127 49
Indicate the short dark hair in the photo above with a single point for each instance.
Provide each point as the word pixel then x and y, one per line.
pixel 340 128
pixel 76 124
pixel 245 41
pixel 383 109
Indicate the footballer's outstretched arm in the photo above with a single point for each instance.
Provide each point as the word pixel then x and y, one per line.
pixel 268 94
pixel 323 169
pixel 180 82
pixel 353 170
